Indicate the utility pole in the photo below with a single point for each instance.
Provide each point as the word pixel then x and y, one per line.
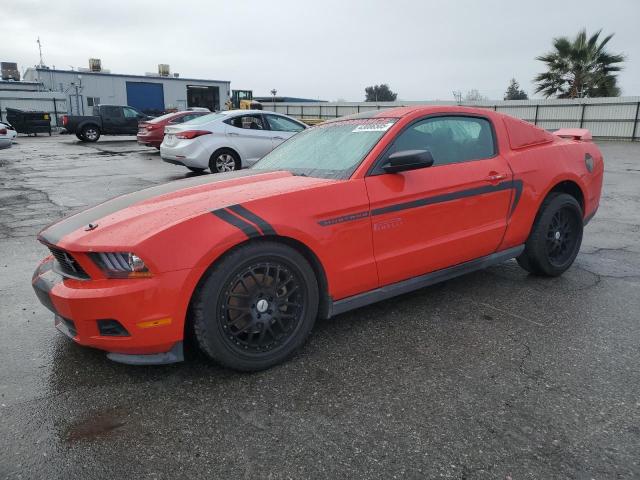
pixel 40 50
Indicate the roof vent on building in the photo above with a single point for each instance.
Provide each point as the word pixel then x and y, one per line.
pixel 95 65
pixel 163 70
pixel 9 71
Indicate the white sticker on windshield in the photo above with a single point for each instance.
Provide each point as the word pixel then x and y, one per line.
pixel 373 127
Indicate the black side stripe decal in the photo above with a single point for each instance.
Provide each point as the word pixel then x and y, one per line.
pixel 262 224
pixel 516 185
pixel 249 230
pixel 446 197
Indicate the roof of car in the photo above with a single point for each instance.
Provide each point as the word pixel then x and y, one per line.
pixel 399 112
pixel 248 112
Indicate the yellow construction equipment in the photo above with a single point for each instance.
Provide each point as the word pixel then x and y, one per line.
pixel 242 100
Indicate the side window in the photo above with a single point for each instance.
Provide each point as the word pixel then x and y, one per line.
pixel 250 122
pixel 449 139
pixel 93 101
pixel 111 112
pixel 191 116
pixel 283 124
pixel 130 112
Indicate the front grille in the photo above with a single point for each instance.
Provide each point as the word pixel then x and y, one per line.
pixel 67 265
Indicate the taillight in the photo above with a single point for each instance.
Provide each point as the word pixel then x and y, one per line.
pixel 3 131
pixel 189 134
pixel 65 120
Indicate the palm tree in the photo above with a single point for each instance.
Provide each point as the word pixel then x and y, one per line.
pixel 580 68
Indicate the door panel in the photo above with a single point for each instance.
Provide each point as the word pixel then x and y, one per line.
pixel 428 219
pixel 112 119
pixel 282 128
pixel 455 211
pixel 249 137
pixel 279 137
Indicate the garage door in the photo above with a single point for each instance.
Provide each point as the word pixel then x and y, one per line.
pixel 145 96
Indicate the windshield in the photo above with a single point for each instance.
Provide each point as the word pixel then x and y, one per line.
pixel 329 150
pixel 204 119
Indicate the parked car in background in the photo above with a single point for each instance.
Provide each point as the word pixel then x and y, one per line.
pixel 106 120
pixel 228 140
pixel 11 132
pixel 151 132
pixel 5 137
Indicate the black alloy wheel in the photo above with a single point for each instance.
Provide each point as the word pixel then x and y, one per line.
pixel 261 307
pixel 555 238
pixel 561 236
pixel 255 307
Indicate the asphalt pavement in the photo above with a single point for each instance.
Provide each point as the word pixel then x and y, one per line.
pixel 494 375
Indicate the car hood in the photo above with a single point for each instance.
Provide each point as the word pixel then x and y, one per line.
pixel 129 219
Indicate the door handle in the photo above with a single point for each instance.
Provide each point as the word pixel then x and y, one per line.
pixel 278 138
pixel 495 177
pixel 233 134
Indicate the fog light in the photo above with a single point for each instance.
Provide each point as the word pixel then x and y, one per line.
pixel 112 328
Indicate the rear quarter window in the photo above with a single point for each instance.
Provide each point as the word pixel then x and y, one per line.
pixel 522 134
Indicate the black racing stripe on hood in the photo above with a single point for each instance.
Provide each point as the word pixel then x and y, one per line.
pixel 54 233
pixel 262 224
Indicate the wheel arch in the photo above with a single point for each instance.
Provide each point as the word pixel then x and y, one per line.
pixel 324 307
pixel 570 187
pixel 226 149
pixel 88 123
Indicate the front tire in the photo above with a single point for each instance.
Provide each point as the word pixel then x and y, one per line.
pixel 256 307
pixel 90 133
pixel 556 237
pixel 224 160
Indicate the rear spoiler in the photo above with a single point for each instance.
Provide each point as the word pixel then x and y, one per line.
pixel 574 133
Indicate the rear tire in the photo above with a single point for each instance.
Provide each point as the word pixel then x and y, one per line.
pixel 556 237
pixel 224 160
pixel 90 133
pixel 255 307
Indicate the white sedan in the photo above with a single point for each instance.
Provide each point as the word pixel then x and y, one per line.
pixel 226 141
pixel 7 134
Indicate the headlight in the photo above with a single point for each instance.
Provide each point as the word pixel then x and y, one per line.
pixel 121 265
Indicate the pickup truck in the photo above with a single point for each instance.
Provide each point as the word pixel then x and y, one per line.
pixel 106 120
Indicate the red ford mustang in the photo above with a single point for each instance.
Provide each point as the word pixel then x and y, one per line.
pixel 344 214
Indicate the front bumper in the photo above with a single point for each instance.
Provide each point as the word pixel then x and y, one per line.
pixel 147 308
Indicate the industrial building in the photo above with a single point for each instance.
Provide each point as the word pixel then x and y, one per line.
pixel 152 93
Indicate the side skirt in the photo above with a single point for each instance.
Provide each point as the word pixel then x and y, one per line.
pixel 422 281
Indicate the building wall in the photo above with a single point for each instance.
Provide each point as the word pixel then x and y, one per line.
pixel 112 88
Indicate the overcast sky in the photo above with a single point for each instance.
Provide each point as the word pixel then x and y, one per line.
pixel 327 49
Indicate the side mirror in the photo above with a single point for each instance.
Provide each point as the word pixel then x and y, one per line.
pixel 408 160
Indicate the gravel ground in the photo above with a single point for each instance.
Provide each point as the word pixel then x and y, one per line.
pixel 493 375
